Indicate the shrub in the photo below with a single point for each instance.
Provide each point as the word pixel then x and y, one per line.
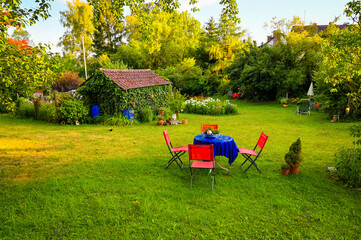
pixel 47 112
pixel 119 120
pixel 67 81
pixel 294 156
pixel 146 115
pixel 71 111
pixel 209 106
pixel 24 108
pixel 230 109
pixel 348 165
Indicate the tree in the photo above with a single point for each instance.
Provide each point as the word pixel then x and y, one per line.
pixel 21 34
pixel 164 38
pixel 78 24
pixel 108 34
pixel 11 14
pixel 229 35
pixel 23 68
pixel 353 10
pixel 340 71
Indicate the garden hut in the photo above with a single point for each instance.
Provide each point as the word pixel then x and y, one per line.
pixel 115 90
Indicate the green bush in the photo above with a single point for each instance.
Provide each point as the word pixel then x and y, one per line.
pixel 208 106
pixel 294 156
pixel 24 108
pixel 348 165
pixel 146 115
pixel 230 109
pixel 119 120
pixel 71 111
pixel 47 112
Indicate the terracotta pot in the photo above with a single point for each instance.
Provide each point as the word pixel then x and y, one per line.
pixel 285 171
pixel 185 121
pixel 294 170
pixel 160 122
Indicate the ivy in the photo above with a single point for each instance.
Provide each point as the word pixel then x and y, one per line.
pixel 101 90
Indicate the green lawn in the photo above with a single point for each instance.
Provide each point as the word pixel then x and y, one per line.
pixel 80 182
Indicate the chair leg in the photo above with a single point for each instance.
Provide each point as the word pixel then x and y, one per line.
pixel 174 159
pixel 214 179
pixel 191 177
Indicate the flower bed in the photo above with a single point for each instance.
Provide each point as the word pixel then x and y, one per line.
pixel 208 106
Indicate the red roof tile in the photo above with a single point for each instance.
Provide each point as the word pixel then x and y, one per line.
pixel 134 78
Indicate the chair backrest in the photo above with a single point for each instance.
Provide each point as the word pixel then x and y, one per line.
pixel 305 105
pixel 166 137
pixel 262 140
pixel 201 152
pixel 205 126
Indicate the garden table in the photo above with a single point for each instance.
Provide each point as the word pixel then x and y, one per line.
pixel 223 145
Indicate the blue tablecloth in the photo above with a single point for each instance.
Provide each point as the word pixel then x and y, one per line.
pixel 223 145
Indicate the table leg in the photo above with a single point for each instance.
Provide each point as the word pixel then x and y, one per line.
pixel 221 166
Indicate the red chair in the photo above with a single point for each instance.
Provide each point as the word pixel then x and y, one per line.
pixel 248 153
pixel 201 156
pixel 204 127
pixel 176 152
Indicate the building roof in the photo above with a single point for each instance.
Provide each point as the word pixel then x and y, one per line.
pixel 134 78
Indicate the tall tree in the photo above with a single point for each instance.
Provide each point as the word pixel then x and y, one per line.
pixel 78 23
pixel 108 32
pixel 164 38
pixel 229 35
pixel 210 31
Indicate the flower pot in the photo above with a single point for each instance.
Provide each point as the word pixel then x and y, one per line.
pixel 294 170
pixel 285 171
pixel 185 121
pixel 160 122
pixel 161 112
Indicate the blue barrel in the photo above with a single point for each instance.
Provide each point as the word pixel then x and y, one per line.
pixel 129 114
pixel 95 111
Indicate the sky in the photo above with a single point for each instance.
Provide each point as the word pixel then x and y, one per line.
pixel 254 14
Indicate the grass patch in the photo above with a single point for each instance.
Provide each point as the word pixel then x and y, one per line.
pixel 78 182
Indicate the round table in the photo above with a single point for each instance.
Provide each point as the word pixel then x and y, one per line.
pixel 223 145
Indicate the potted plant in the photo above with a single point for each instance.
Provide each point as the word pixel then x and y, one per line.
pixel 284 101
pixel 160 119
pixel 161 110
pixel 210 132
pixel 294 156
pixel 285 169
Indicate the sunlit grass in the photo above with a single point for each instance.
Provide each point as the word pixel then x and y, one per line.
pixel 85 181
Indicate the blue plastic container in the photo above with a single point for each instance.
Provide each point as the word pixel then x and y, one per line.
pixel 129 114
pixel 95 111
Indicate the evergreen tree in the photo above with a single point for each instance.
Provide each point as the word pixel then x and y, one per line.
pixel 108 34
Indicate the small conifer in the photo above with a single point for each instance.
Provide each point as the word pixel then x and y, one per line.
pixel 294 156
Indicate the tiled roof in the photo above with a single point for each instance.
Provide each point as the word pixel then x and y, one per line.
pixel 134 78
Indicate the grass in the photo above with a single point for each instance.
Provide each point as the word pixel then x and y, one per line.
pixel 79 182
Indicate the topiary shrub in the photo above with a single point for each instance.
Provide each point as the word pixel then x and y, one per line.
pixel 70 111
pixel 294 156
pixel 67 81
